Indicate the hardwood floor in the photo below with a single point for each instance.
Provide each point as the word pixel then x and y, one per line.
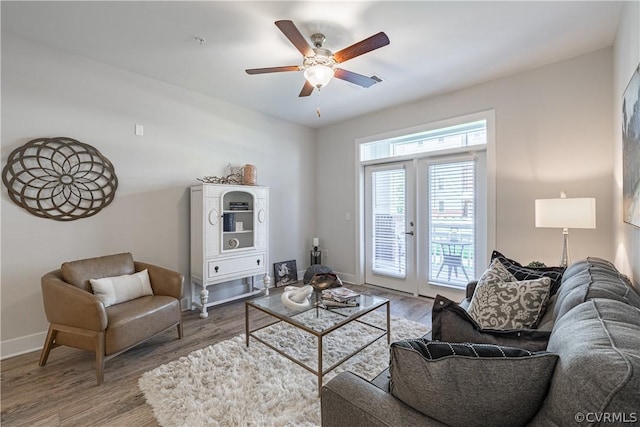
pixel 64 392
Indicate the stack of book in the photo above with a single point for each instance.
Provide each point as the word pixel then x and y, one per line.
pixel 340 297
pixel 238 206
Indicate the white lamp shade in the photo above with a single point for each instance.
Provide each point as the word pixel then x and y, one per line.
pixel 566 213
pixel 319 75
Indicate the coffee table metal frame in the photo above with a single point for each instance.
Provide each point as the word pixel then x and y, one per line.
pixel 290 319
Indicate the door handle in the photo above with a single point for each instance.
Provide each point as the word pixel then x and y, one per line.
pixel 409 232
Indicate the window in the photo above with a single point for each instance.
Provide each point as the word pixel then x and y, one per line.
pixel 388 197
pixel 451 219
pixel 434 140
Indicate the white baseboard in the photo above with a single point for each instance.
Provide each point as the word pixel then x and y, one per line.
pixel 22 345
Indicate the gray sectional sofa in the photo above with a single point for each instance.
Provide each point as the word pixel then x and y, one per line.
pixel 591 326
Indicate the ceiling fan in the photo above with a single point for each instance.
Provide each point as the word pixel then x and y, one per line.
pixel 319 64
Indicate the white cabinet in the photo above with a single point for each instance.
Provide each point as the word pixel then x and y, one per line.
pixel 229 240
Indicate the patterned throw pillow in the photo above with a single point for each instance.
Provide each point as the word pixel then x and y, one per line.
pixel 529 273
pixel 510 305
pixel 496 273
pixel 463 384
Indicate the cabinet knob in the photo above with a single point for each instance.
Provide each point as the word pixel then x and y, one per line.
pixel 258 261
pixel 216 268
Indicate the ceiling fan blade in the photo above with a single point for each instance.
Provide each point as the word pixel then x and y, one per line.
pixel 367 45
pixel 306 89
pixel 272 69
pixel 356 78
pixel 295 37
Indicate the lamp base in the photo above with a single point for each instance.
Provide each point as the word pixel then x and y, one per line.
pixel 564 259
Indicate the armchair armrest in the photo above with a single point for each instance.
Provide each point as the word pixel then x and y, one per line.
pixel 163 281
pixel 66 304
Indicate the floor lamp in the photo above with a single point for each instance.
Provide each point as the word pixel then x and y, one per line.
pixel 566 213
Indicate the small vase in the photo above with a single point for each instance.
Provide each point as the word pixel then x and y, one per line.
pixel 249 175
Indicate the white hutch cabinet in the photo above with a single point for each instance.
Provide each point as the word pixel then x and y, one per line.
pixel 229 240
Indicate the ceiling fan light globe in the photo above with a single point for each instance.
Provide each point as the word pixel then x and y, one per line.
pixel 319 75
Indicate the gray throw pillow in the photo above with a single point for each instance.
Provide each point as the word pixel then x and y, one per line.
pixel 470 384
pixel 452 323
pixel 510 305
pixel 528 273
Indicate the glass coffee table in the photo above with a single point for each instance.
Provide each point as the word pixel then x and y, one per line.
pixel 319 322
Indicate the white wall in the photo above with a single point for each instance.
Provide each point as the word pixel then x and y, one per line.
pixel 553 133
pixel 626 60
pixel 47 93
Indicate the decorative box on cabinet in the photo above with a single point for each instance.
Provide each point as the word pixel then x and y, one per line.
pixel 229 240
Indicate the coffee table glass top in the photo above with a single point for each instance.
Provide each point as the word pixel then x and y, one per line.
pixel 317 319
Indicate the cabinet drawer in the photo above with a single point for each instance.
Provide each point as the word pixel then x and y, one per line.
pixel 238 266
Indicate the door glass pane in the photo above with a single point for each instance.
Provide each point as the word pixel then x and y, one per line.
pixel 388 220
pixel 452 222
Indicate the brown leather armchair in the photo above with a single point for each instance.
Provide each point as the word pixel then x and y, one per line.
pixel 79 319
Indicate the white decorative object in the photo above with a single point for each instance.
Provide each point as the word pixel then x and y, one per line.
pixel 239 226
pixel 219 257
pixel 297 298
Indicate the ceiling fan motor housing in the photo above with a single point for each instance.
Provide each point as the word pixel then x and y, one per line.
pixel 322 57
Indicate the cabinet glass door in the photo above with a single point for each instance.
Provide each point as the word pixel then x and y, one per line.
pixel 237 221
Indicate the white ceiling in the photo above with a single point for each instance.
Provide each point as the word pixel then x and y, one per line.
pixel 436 46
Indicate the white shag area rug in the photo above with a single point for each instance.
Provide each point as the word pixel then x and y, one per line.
pixel 230 384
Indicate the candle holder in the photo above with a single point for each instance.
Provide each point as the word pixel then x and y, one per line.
pixel 316 256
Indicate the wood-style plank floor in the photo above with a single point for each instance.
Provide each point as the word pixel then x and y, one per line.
pixel 64 392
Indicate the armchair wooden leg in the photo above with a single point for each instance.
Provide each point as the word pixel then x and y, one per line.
pixel 100 357
pixel 180 331
pixel 48 345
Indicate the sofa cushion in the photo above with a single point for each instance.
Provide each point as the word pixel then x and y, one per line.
pixel 593 278
pixel 451 381
pixel 527 273
pixel 450 322
pixel 598 371
pixel 114 290
pixel 510 305
pixel 78 273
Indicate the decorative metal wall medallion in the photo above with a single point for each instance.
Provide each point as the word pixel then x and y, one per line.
pixel 59 178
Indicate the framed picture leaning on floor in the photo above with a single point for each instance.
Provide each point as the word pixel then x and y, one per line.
pixel 285 272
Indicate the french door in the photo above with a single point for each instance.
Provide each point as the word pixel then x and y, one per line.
pixel 421 220
pixel 390 226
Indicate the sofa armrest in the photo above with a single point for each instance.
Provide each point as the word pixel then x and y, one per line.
pixel 65 304
pixel 349 400
pixel 471 288
pixel 163 281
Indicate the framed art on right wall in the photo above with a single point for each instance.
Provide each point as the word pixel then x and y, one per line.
pixel 631 151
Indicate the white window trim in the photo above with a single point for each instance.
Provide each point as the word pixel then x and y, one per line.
pixel 489 116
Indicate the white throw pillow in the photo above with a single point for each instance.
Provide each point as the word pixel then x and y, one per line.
pixel 114 290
